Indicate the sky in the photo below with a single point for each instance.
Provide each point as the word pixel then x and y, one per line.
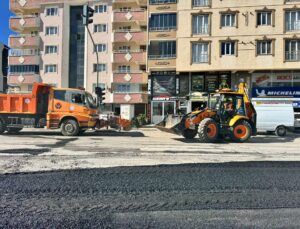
pixel 4 20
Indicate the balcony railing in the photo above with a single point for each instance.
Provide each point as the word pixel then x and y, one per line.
pixel 201 3
pixel 130 36
pixel 292 56
pixel 138 56
pixel 162 29
pixel 156 2
pixel 23 23
pixel 24 41
pixel 162 57
pixel 130 77
pixel 23 78
pixel 133 15
pixel 24 5
pixel 26 60
pixel 130 97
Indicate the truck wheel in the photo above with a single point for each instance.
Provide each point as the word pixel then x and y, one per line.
pixel 69 127
pixel 13 130
pixel 241 131
pixel 208 130
pixel 2 126
pixel 82 131
pixel 189 134
pixel 280 131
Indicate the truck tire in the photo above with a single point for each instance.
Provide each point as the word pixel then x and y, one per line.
pixel 82 131
pixel 13 130
pixel 280 131
pixel 241 131
pixel 2 126
pixel 189 134
pixel 208 130
pixel 70 127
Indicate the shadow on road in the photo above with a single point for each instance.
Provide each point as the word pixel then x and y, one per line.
pixel 261 138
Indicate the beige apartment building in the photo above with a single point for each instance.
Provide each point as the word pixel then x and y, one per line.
pixel 202 45
pixel 153 53
pixel 53 46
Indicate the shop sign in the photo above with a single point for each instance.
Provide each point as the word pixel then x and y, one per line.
pixel 276 92
pixel 296 104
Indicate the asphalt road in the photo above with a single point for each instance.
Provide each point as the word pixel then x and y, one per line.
pixel 229 195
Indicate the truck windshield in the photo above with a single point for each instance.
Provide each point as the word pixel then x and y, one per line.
pixel 90 100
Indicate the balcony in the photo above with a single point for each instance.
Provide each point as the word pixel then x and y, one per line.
pixel 130 77
pixel 162 61
pixel 139 37
pixel 23 78
pixel 21 6
pixel 24 41
pixel 161 33
pixel 138 57
pixel 26 60
pixel 21 24
pixel 165 6
pixel 130 98
pixel 139 16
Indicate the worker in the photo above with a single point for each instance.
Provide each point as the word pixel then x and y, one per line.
pixel 228 111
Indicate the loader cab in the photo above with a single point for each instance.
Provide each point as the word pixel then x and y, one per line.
pixel 228 105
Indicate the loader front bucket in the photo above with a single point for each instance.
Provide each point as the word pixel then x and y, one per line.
pixel 171 124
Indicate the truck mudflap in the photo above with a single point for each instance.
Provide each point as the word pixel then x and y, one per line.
pixel 173 124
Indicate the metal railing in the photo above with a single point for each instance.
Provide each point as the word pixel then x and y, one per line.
pixel 199 3
pixel 24 52
pixel 162 29
pixel 161 57
pixel 292 56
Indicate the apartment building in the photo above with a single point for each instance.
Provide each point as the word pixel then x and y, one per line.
pixel 53 46
pixel 203 45
pixel 3 67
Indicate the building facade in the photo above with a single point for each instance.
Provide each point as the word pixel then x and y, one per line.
pixel 202 45
pixel 153 53
pixel 53 46
pixel 3 67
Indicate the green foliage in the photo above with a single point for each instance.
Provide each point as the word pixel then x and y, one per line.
pixel 140 120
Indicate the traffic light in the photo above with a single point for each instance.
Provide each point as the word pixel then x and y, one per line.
pixel 100 92
pixel 87 15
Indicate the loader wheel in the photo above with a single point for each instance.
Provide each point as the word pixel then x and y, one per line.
pixel 13 130
pixel 82 131
pixel 241 131
pixel 189 134
pixel 2 126
pixel 69 127
pixel 208 130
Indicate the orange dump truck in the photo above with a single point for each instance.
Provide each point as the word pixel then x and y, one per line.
pixel 71 110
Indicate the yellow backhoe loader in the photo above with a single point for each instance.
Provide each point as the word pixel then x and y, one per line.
pixel 229 114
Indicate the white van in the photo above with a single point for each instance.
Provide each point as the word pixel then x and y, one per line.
pixel 274 117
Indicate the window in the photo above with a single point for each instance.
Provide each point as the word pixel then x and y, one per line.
pixel 100 8
pixel 153 2
pixel 24 69
pixel 124 48
pixel 200 24
pixel 50 68
pixel 264 18
pixel 227 20
pixel 197 3
pixel 124 69
pixel 125 9
pixel 60 95
pixel 50 49
pixel 100 48
pixel 100 67
pixel 51 30
pixel 292 20
pixel 163 22
pixel 51 11
pixel 100 28
pixel 78 98
pixel 123 88
pixel 292 50
pixel 200 53
pixel 264 47
pixel 227 48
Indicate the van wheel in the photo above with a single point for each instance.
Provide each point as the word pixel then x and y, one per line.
pixel 241 132
pixel 280 131
pixel 13 130
pixel 69 127
pixel 189 134
pixel 2 126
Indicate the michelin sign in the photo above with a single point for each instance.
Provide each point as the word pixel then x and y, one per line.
pixel 276 92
